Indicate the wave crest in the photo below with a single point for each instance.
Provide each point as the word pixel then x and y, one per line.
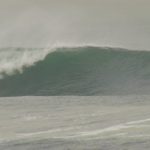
pixel 14 60
pixel 75 71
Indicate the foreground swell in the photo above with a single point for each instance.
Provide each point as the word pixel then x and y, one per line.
pixel 81 71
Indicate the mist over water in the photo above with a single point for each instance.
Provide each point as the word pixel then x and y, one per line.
pixel 42 23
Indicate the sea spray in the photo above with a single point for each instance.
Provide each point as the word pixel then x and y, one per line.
pixel 14 60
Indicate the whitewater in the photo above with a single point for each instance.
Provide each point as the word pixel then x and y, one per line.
pixel 75 122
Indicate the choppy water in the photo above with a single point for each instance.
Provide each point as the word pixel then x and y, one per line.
pixel 75 123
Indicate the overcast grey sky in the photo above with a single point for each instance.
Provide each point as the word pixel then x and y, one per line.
pixel 39 23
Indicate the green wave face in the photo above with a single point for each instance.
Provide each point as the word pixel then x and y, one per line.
pixel 82 71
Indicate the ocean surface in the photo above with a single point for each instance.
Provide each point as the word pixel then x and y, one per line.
pixel 74 98
pixel 75 123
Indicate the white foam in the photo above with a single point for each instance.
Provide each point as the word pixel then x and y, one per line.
pixel 139 121
pixel 12 60
pixel 64 135
pixel 131 124
pixel 53 131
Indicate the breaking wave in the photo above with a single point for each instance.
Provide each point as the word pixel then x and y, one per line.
pixel 74 71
